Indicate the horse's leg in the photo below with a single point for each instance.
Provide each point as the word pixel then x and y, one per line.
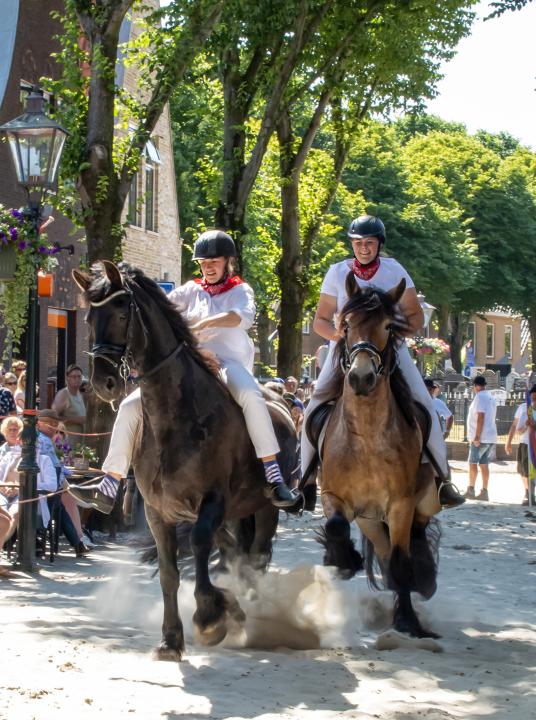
pixel 172 644
pixel 401 570
pixel 260 552
pixel 335 538
pixel 213 604
pixel 375 543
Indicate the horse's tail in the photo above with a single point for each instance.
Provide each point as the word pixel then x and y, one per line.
pixel 371 563
pixel 424 560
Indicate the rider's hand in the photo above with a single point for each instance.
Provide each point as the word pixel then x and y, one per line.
pixel 508 449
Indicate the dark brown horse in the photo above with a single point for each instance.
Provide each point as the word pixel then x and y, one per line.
pixel 194 461
pixel 371 468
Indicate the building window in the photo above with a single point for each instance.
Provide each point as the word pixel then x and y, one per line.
pixel 306 326
pixel 134 209
pixel 490 340
pixel 508 341
pixel 152 161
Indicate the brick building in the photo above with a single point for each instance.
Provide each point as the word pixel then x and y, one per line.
pixel 152 239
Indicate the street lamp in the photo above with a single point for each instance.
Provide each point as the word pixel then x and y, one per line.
pixel 428 310
pixel 36 143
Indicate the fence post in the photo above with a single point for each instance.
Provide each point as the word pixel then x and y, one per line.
pixel 465 413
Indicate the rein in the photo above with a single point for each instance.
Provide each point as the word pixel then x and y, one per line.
pixel 104 350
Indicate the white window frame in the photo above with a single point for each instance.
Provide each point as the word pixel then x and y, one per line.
pixel 492 326
pixel 511 329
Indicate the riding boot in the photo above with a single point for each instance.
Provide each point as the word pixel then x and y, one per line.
pixel 100 496
pixel 448 492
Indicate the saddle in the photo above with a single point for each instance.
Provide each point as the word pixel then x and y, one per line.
pixel 316 425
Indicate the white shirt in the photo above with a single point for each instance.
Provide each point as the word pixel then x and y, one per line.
pixel 521 416
pixel 227 343
pixel 483 402
pixel 442 410
pixel 387 277
pixel 46 476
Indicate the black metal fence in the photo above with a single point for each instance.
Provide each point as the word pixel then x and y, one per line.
pixel 458 403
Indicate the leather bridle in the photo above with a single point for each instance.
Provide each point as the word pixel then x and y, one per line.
pixel 109 352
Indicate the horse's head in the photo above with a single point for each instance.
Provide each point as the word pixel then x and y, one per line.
pixel 109 318
pixel 370 322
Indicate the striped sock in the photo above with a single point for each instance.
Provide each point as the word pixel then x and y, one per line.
pixel 109 486
pixel 272 472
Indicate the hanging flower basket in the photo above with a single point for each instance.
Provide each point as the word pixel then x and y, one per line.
pixel 430 351
pixel 8 262
pixel 23 252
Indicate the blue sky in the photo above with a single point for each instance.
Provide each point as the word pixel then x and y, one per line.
pixel 491 83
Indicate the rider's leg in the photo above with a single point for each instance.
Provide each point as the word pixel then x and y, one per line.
pixel 102 495
pixel 448 494
pixel 244 389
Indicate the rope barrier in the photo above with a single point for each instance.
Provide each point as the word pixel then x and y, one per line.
pixel 67 432
pixel 45 495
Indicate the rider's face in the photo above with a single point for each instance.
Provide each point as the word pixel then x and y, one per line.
pixel 365 249
pixel 213 269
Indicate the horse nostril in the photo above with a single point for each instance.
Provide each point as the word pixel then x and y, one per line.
pixel 110 383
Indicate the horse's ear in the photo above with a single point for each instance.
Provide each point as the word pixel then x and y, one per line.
pixel 397 292
pixel 82 279
pixel 352 286
pixel 112 273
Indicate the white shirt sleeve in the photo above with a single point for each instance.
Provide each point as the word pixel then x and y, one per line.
pixel 330 284
pixel 243 304
pixel 181 296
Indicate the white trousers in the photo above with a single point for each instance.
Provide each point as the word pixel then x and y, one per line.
pixel 436 442
pixel 242 386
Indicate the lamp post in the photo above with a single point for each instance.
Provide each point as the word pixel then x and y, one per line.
pixel 36 143
pixel 427 309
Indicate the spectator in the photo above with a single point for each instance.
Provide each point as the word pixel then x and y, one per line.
pixel 522 424
pixel 291 384
pixel 69 403
pixel 18 367
pixel 482 434
pixel 446 418
pixel 47 426
pixel 20 392
pixel 7 406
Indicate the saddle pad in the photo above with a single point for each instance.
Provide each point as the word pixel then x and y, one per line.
pixel 316 424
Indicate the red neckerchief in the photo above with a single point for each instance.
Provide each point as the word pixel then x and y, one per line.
pixel 227 283
pixel 365 272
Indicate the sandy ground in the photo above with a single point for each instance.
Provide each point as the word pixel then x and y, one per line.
pixel 77 636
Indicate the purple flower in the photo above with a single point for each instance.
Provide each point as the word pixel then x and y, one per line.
pixel 14 234
pixel 22 244
pixel 3 238
pixel 17 214
pixel 42 249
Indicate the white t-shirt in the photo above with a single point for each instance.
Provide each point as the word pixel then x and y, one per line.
pixel 521 416
pixel 483 402
pixel 227 343
pixel 442 410
pixel 388 275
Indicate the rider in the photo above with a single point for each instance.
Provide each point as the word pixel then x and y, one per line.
pixel 220 309
pixel 367 235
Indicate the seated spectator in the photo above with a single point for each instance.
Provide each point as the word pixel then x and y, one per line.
pixel 7 402
pixel 11 429
pixel 48 426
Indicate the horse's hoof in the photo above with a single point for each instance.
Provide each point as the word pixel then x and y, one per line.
pixel 211 634
pixel 233 608
pixel 167 653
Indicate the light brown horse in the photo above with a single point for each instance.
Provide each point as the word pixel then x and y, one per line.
pixel 371 467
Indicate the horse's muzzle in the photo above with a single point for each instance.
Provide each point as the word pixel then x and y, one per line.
pixel 362 383
pixel 106 381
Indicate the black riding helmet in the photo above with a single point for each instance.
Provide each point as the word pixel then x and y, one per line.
pixel 367 226
pixel 213 244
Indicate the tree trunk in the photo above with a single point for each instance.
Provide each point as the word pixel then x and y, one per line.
pixel 263 333
pixel 456 339
pixel 289 268
pixel 443 316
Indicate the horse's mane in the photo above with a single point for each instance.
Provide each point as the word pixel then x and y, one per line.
pixel 376 304
pixel 135 279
